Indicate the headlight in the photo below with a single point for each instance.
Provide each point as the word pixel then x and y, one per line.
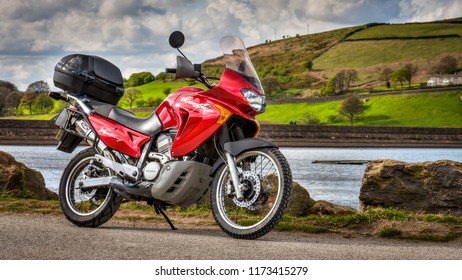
pixel 256 101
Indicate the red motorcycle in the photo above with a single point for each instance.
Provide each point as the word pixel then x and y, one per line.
pixel 196 142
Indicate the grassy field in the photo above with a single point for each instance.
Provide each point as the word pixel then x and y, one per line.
pixel 407 110
pixel 285 59
pixel 408 30
pixel 442 109
pixel 156 89
pixel 363 54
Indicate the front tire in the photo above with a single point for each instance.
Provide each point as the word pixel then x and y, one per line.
pixel 267 180
pixel 89 207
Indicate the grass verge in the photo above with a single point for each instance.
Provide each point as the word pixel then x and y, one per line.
pixel 378 222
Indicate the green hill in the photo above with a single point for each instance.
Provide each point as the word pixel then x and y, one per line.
pixel 408 30
pixel 367 49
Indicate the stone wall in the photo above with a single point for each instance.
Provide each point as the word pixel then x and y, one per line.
pixel 345 136
pixel 18 132
pixel 362 95
pixel 43 132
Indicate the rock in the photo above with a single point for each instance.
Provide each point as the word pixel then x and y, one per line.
pixel 20 181
pixel 430 187
pixel 322 207
pixel 300 202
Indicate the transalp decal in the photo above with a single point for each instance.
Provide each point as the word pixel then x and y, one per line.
pixel 205 108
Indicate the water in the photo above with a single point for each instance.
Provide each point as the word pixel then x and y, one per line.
pixel 336 183
pixel 340 183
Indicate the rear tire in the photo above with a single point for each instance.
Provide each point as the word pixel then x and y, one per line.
pixel 268 180
pixel 90 207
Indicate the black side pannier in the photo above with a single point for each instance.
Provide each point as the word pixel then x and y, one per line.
pixel 89 75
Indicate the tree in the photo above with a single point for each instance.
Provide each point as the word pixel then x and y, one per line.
pixel 140 103
pixel 447 65
pixel 38 87
pixel 351 107
pixel 328 89
pixel 5 89
pixel 167 90
pixel 9 86
pixel 162 76
pixel 339 82
pixel 399 76
pixel 138 79
pixel 310 119
pixel 27 100
pixel 130 96
pixel 3 94
pixel 42 103
pixel 386 76
pixel 270 84
pixel 12 102
pixel 343 79
pixel 411 70
pixel 309 65
pixel 351 75
pixel 153 102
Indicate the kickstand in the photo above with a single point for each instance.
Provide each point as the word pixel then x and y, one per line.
pixel 160 211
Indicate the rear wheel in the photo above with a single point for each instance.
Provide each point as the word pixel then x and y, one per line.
pixel 266 182
pixel 86 207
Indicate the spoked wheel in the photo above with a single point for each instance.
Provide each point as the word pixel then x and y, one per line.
pixel 86 207
pixel 266 183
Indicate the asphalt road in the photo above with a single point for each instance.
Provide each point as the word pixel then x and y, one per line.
pixel 42 237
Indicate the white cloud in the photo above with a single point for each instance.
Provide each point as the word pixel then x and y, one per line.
pixel 428 10
pixel 133 34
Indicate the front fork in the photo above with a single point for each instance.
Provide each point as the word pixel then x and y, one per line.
pixel 234 176
pixel 224 137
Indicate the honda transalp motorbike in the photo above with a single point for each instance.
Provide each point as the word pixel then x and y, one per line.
pixel 197 143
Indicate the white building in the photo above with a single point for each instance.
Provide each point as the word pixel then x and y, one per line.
pixel 445 80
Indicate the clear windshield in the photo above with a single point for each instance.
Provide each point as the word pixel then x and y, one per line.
pixel 238 60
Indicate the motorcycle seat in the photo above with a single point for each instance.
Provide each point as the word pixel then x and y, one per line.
pixel 150 126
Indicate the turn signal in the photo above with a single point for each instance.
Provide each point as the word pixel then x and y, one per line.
pixel 224 114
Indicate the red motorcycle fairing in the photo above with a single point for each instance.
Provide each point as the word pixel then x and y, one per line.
pixel 232 83
pixel 117 136
pixel 198 113
pixel 193 115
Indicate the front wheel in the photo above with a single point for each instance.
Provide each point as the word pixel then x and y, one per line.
pixel 86 207
pixel 266 183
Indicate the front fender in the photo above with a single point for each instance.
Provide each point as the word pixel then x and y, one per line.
pixel 237 147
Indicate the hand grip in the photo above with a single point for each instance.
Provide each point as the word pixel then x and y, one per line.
pixel 170 70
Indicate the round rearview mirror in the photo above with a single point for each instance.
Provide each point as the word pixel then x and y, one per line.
pixel 176 39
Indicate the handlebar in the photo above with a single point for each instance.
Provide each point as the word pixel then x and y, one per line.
pixel 187 70
pixel 170 70
pixel 57 96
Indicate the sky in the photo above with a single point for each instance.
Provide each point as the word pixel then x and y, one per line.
pixel 133 34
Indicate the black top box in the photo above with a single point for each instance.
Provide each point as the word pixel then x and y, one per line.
pixel 89 75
